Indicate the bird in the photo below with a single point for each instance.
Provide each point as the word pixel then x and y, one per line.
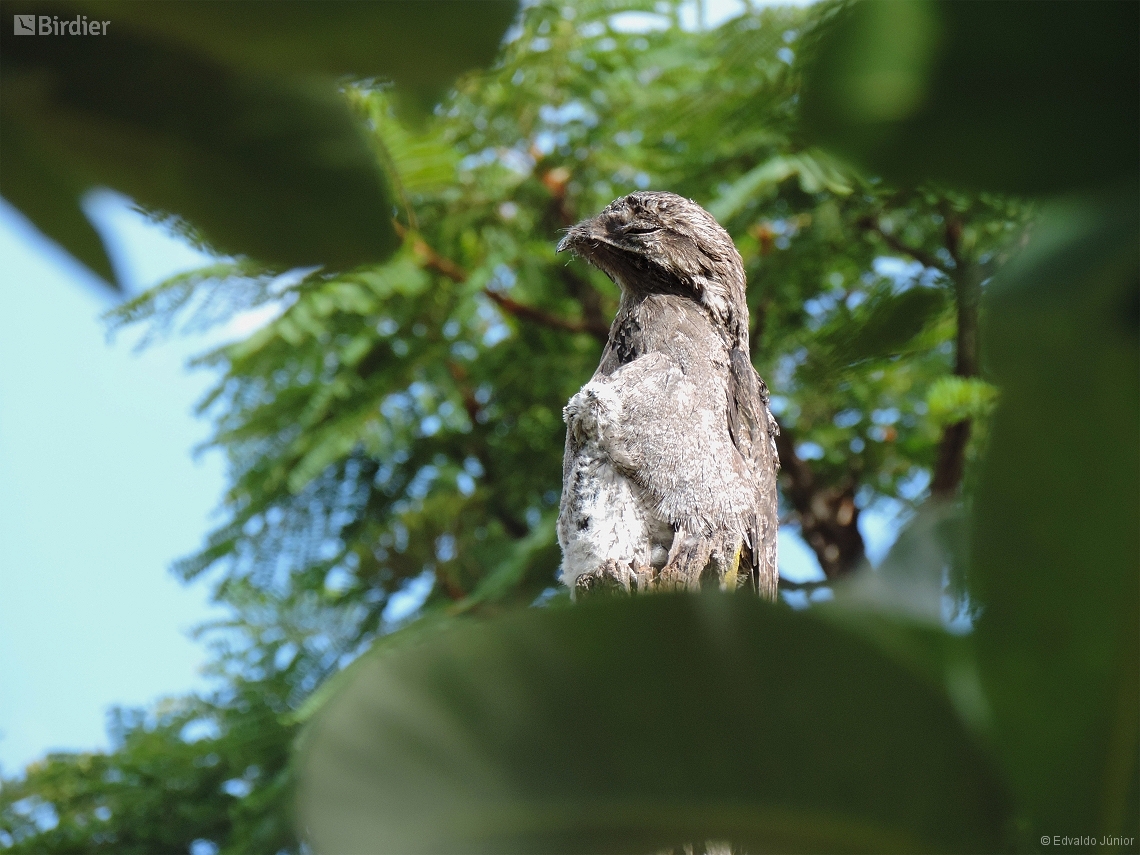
pixel 669 472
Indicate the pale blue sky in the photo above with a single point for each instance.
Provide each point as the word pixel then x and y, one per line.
pixel 98 493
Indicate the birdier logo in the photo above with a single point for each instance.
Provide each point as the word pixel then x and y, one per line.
pixel 51 25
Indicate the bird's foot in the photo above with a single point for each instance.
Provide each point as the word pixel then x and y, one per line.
pixel 616 578
pixel 688 558
pixel 643 578
pixel 611 579
pixel 724 565
pixel 676 578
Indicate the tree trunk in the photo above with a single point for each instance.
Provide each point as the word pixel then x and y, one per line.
pixel 829 520
pixel 956 437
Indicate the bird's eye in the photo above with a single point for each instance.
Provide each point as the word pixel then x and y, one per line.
pixel 642 230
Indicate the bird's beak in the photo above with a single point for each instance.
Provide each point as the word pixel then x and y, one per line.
pixel 575 236
pixel 567 242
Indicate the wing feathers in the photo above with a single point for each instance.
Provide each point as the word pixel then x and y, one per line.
pixel 672 439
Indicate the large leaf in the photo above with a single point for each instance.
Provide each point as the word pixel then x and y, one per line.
pixel 999 95
pixel 224 114
pixel 261 167
pixel 636 725
pixel 911 579
pixel 422 46
pixel 1057 523
pixel 48 194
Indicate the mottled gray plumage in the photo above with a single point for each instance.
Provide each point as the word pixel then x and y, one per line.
pixel 670 467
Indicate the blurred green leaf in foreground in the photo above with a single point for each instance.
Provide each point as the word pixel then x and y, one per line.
pixel 630 726
pixel 224 115
pixel 987 96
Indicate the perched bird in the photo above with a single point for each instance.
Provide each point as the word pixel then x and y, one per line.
pixel 669 476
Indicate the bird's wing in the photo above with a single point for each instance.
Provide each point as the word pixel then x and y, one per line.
pixel 753 430
pixel 672 440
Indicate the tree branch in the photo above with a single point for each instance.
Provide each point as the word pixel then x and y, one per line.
pixel 923 257
pixel 447 268
pixel 968 292
pixel 431 259
pixel 829 519
pixel 951 465
pixel 786 585
pixel 952 239
pixel 530 313
pixel 967 279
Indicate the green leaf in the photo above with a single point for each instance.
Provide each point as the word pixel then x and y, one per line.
pixel 885 325
pixel 951 399
pixel 749 185
pixel 48 194
pixel 225 115
pixel 1002 96
pixel 431 621
pixel 816 173
pixel 901 606
pixel 637 725
pixel 1054 547
pixel 422 46
pixel 329 444
pixel 229 286
pixel 401 277
pixel 274 169
pixel 422 163
pixel 510 572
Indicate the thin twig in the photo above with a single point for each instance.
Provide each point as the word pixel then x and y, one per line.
pixel 445 267
pixel 923 257
pixel 530 313
pixel 827 514
pixel 787 585
pixel 431 259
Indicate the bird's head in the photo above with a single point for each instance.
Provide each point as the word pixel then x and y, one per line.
pixel 654 242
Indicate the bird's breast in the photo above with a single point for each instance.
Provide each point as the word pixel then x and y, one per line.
pixel 593 413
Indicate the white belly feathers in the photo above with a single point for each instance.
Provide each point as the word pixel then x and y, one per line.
pixel 604 515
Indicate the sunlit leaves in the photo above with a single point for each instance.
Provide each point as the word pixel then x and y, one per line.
pixel 951 399
pixel 884 325
pixel 176 775
pixel 814 172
